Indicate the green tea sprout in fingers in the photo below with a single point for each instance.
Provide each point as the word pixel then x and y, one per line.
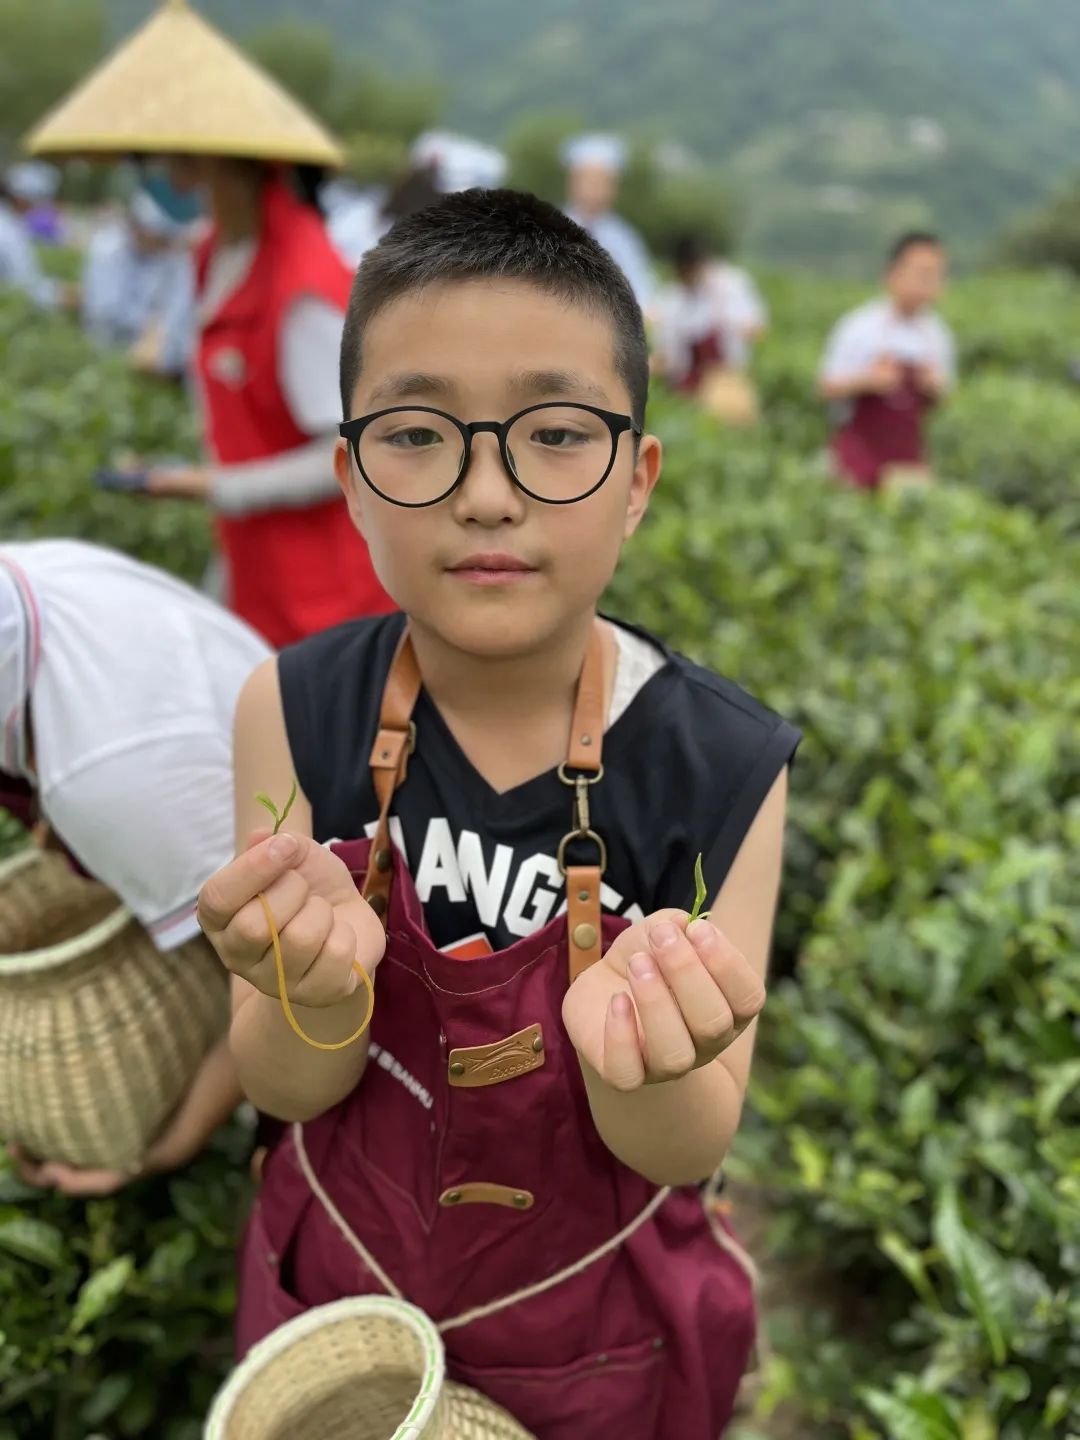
pixel 700 895
pixel 268 804
pixel 279 818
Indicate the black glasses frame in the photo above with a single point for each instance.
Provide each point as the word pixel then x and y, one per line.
pixel 352 430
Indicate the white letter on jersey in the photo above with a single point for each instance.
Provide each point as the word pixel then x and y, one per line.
pixel 438 864
pixel 487 890
pixel 537 867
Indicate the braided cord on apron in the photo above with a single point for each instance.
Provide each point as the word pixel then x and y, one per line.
pixel 479 1312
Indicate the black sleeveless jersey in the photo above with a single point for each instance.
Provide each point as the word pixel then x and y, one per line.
pixel 686 768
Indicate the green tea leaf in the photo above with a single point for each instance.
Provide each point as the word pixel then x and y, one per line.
pixel 288 805
pixel 33 1240
pixel 979 1272
pixel 700 895
pixel 918 1416
pixel 268 804
pixel 101 1292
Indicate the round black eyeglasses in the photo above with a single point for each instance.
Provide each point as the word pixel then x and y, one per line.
pixel 414 455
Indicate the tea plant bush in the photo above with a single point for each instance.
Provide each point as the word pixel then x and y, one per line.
pixel 917 1102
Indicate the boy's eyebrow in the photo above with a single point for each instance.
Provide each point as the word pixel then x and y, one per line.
pixel 564 383
pixel 528 384
pixel 413 383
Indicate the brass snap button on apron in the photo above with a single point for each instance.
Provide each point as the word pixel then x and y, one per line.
pixel 457 1068
pixel 450 1197
pixel 378 904
pixel 584 936
pixel 521 1200
pixel 382 860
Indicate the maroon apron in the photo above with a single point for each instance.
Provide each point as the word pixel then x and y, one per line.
pixel 465 1174
pixel 883 430
pixel 705 354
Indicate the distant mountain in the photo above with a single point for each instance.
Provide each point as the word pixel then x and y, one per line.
pixel 838 120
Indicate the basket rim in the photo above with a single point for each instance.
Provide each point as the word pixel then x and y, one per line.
pixel 272 1345
pixel 49 957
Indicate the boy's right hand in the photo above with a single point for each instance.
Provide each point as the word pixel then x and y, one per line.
pixel 325 926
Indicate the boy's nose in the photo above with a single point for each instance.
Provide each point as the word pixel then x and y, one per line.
pixel 487 494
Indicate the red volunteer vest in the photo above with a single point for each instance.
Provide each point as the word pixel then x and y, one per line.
pixel 290 571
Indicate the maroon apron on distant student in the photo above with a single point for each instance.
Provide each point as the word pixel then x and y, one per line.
pixel 883 430
pixel 705 354
pixel 465 1174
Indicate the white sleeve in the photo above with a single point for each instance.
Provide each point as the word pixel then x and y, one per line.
pixel 749 311
pixel 101 288
pixel 308 361
pixel 178 316
pixel 848 349
pixel 19 268
pixel 946 351
pixel 299 477
pixel 152 821
pixel 669 340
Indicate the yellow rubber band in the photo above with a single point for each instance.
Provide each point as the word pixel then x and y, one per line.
pixel 279 965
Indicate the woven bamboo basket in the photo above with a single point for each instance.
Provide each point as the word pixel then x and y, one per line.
pixel 100 1033
pixel 364 1368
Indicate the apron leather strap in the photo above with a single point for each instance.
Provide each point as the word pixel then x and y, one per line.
pixel 389 762
pixel 584 757
pixel 396 741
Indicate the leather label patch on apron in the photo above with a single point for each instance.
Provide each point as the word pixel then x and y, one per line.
pixel 476 1065
pixel 482 1192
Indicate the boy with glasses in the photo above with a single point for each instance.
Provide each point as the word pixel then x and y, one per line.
pixel 517 790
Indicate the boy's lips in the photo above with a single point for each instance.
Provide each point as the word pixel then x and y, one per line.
pixel 492 568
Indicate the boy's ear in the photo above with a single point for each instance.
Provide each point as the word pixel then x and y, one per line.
pixel 650 458
pixel 349 480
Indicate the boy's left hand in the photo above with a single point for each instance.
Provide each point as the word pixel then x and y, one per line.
pixel 664 1000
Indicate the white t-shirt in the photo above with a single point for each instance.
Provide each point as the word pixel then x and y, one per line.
pixel 876 329
pixel 133 679
pixel 726 302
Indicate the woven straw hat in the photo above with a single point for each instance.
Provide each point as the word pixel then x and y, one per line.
pixel 178 87
pixel 364 1368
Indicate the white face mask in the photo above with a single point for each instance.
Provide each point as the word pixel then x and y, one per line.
pixel 20 635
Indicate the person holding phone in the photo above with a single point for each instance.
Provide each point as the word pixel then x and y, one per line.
pixel 271 296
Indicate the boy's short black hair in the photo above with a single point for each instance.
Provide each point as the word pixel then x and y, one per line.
pixel 909 240
pixel 497 235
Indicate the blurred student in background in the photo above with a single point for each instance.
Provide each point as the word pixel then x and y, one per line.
pixel 708 318
pixel 594 165
pixel 24 188
pixel 440 163
pixel 138 288
pixel 887 364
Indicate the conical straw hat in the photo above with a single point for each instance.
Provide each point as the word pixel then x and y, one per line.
pixel 363 1368
pixel 178 87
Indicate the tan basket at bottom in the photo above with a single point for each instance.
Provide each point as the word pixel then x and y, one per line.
pixel 363 1368
pixel 100 1033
